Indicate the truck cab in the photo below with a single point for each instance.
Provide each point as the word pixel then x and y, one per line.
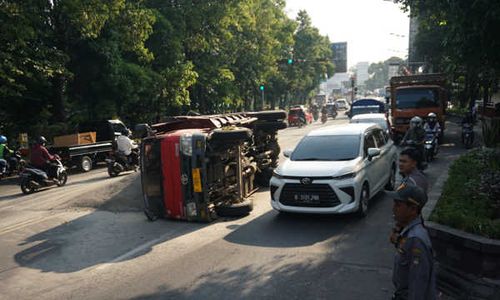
pixel 417 95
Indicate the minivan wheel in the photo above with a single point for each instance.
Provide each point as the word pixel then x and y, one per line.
pixel 364 198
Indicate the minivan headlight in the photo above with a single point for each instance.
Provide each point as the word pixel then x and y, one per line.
pixel 276 175
pixel 346 176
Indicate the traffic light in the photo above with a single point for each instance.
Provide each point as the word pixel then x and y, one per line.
pixel 290 61
pixel 261 87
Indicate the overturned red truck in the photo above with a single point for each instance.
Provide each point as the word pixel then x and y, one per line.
pixel 197 168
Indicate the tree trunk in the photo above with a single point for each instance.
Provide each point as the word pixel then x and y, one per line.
pixel 58 105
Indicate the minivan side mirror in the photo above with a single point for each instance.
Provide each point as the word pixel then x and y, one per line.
pixel 372 152
pixel 287 153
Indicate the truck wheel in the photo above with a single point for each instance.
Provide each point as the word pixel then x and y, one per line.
pixel 240 209
pixel 263 178
pixel 232 135
pixel 270 126
pixel 268 115
pixel 86 164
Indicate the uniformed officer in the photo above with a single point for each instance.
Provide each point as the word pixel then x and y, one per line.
pixel 408 161
pixel 413 273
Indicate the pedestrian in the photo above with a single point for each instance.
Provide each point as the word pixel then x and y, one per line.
pixel 408 167
pixel 413 273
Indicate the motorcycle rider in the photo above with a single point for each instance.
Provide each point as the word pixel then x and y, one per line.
pixel 5 152
pixel 125 147
pixel 432 125
pixel 324 112
pixel 41 158
pixel 416 133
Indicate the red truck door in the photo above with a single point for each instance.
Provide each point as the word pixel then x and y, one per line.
pixel 171 169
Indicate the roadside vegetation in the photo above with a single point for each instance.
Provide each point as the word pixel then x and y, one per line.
pixel 471 196
pixel 67 61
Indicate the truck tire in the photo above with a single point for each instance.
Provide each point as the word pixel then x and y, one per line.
pixel 240 209
pixel 271 126
pixel 272 115
pixel 86 164
pixel 231 135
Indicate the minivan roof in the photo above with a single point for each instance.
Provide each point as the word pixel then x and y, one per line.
pixel 345 129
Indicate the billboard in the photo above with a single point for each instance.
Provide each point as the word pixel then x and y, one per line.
pixel 340 57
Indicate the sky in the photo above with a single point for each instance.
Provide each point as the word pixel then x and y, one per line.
pixel 373 29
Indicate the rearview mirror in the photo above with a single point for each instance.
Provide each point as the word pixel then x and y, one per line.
pixel 287 153
pixel 372 152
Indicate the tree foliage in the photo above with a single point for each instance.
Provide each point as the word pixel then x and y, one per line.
pixel 64 61
pixel 379 73
pixel 459 37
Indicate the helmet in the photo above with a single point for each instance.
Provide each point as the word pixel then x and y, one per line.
pixel 416 122
pixel 3 139
pixel 41 140
pixel 432 117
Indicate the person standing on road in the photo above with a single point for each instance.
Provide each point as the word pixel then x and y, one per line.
pixel 408 162
pixel 413 273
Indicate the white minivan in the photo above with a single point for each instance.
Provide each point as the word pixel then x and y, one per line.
pixel 335 170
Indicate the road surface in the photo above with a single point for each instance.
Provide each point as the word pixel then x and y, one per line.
pixel 90 240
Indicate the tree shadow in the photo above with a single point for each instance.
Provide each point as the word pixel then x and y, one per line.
pixel 321 278
pixel 91 240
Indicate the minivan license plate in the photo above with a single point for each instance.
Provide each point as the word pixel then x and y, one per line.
pixel 306 198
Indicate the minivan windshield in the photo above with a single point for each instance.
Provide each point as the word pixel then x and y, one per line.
pixel 327 148
pixel 381 122
pixel 417 98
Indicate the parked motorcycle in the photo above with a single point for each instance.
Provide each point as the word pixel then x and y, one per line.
pixel 120 163
pixel 430 146
pixel 467 135
pixel 12 165
pixel 33 179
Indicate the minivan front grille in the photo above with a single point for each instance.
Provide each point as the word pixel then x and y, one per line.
pixel 308 195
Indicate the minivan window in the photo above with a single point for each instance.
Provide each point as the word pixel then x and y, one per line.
pixel 327 148
pixel 380 138
pixel 369 143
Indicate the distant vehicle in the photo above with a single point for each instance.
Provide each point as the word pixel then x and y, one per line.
pixel 380 119
pixel 86 156
pixel 366 106
pixel 342 104
pixel 332 110
pixel 297 115
pixel 320 99
pixel 417 95
pixel 337 169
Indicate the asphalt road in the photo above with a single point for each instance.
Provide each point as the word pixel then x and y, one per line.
pixel 90 240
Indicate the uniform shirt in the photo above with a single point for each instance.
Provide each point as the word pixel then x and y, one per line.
pixel 413 275
pixel 125 145
pixel 40 156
